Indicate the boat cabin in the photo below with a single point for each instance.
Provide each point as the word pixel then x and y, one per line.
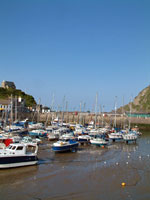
pixel 21 149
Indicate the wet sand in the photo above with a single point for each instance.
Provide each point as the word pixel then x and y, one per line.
pixel 90 173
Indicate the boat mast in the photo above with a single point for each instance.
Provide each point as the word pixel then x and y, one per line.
pixel 67 113
pixel 52 107
pixel 130 114
pixel 102 115
pixel 115 111
pixel 84 113
pixel 63 108
pixel 123 124
pixel 96 109
pixel 99 114
pixel 15 108
pixel 11 114
pixel 80 112
pixel 39 111
pixel 5 116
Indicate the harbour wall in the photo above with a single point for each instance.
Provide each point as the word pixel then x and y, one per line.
pixel 82 118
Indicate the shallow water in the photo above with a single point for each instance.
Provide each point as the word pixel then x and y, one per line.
pixel 90 173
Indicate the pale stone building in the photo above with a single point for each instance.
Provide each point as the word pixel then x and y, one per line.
pixel 8 84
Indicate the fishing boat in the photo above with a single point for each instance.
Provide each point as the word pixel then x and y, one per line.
pixel 30 141
pixel 64 145
pixel 80 130
pixel 38 132
pixel 13 129
pixel 33 125
pixel 98 141
pixel 115 136
pixel 83 138
pixel 130 137
pixel 67 136
pixel 17 155
pixel 52 136
pixel 90 126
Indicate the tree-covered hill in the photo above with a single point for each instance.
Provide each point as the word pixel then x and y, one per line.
pixel 6 93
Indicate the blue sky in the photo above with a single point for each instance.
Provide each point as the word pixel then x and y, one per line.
pixel 76 48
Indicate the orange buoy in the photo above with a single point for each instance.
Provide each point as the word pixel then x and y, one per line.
pixel 123 184
pixel 103 146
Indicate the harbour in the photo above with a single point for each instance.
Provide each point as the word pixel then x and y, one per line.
pixel 89 173
pixel 75 100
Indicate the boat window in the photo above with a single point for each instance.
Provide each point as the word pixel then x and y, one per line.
pixel 10 147
pixel 14 147
pixel 30 149
pixel 19 147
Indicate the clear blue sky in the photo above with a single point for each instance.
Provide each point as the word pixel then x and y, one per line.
pixel 76 48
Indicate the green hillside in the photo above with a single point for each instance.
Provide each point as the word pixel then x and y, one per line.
pixel 141 103
pixel 6 93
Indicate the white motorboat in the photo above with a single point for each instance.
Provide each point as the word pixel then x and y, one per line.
pixel 17 155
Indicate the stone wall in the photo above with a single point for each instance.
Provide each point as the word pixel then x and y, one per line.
pixel 83 118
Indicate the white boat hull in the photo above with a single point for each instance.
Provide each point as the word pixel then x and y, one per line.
pixel 11 165
pixel 115 136
pixel 129 137
pixel 100 142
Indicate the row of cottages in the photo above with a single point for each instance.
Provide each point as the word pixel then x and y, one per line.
pixel 19 103
pixel 41 109
pixel 7 104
